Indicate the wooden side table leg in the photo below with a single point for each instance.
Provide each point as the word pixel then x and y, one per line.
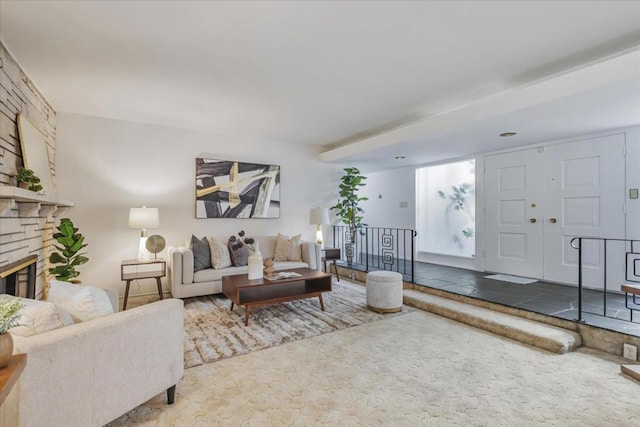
pixel 231 306
pixel 246 315
pixel 321 302
pixel 126 296
pixel 159 288
pixel 335 267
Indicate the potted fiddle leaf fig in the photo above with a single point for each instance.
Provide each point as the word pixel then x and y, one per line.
pixel 348 206
pixel 70 243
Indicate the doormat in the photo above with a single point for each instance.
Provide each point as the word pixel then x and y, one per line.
pixel 511 279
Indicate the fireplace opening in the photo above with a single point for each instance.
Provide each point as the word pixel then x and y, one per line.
pixel 19 278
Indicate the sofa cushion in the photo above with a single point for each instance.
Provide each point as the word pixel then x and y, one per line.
pixel 220 257
pixel 201 253
pixel 211 275
pixel 82 302
pixel 288 249
pixel 38 316
pixel 288 265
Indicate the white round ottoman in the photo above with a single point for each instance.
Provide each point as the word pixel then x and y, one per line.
pixel 384 291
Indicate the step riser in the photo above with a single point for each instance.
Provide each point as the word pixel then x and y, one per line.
pixel 561 343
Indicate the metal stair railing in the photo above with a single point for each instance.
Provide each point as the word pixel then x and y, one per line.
pixel 377 248
pixel 631 250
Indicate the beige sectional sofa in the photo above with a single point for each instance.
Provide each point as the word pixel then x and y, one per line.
pixel 187 283
pixel 90 373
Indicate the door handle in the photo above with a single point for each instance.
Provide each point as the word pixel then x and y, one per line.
pixel 532 220
pixel 553 220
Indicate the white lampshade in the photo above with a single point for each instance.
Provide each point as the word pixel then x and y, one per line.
pixel 144 218
pixel 319 216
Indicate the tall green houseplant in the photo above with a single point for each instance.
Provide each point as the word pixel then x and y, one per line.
pixel 70 242
pixel 348 208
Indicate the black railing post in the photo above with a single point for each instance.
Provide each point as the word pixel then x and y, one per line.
pixel 605 278
pixel 580 279
pixel 366 245
pixel 335 243
pixel 413 266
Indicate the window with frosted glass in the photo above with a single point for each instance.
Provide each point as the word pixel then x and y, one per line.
pixel 446 209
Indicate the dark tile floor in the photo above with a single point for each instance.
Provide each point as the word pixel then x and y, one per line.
pixel 539 297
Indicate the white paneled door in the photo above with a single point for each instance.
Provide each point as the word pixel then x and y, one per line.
pixel 537 200
pixel 513 219
pixel 584 196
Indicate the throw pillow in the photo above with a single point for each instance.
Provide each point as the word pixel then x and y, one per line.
pixel 220 257
pixel 288 249
pixel 82 302
pixel 37 317
pixel 201 253
pixel 239 252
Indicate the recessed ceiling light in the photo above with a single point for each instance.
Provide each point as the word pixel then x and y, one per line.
pixel 399 157
pixel 508 134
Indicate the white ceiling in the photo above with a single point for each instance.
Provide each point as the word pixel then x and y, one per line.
pixel 331 73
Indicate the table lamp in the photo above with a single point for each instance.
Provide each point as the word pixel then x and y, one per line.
pixel 319 216
pixel 143 218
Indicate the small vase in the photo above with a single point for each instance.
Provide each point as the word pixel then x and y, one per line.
pixel 255 264
pixel 268 267
pixel 6 349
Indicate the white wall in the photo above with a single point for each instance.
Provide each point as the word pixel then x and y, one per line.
pixel 108 166
pixel 386 191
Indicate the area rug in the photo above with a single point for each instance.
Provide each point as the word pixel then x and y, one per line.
pixel 213 332
pixel 511 279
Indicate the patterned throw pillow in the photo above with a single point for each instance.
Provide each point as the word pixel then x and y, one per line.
pixel 239 253
pixel 220 257
pixel 288 249
pixel 201 253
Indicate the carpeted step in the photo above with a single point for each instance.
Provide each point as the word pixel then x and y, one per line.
pixel 547 337
pixel 631 370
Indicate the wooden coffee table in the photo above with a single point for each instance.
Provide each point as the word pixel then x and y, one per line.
pixel 250 293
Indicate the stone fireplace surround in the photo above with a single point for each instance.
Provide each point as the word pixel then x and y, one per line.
pixel 26 218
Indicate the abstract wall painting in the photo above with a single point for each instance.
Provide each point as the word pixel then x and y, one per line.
pixel 229 189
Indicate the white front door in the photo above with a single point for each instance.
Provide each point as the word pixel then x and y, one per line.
pixel 584 196
pixel 537 200
pixel 513 218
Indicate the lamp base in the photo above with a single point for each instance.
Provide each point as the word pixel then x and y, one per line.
pixel 319 238
pixel 143 253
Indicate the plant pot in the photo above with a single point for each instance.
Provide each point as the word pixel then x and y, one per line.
pixel 24 185
pixel 6 349
pixel 350 253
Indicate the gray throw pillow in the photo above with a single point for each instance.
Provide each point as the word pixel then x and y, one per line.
pixel 239 253
pixel 201 253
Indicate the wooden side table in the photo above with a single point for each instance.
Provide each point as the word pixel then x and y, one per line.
pixel 134 270
pixel 331 254
pixel 9 399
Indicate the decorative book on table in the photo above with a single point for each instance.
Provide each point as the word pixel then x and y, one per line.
pixel 283 275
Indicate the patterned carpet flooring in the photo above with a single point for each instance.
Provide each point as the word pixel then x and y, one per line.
pixel 213 332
